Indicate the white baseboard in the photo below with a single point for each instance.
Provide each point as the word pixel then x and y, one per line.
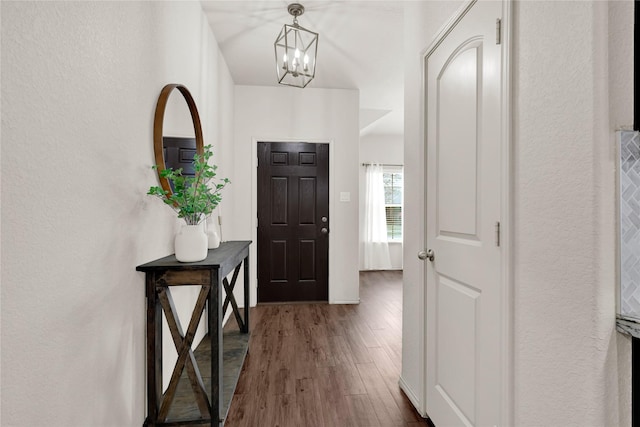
pixel 412 397
pixel 330 302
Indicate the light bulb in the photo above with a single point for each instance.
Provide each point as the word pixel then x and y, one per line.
pixel 305 66
pixel 297 54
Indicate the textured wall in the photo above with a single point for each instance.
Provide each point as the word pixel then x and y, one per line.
pixel 321 115
pixel 564 217
pixel 79 86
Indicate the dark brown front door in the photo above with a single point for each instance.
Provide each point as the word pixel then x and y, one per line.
pixel 293 221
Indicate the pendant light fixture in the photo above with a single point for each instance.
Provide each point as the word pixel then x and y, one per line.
pixel 296 49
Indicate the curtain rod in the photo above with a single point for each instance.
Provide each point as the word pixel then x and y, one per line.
pixel 381 164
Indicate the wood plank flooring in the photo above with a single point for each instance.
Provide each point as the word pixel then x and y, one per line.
pixel 327 365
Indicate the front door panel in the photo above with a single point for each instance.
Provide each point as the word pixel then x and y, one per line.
pixel 293 225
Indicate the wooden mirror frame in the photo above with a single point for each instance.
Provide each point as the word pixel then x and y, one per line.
pixel 158 124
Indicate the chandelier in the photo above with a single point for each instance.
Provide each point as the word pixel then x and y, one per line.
pixel 296 50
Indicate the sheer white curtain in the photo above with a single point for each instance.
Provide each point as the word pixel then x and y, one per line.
pixel 376 248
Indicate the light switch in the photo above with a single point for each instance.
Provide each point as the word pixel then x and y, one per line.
pixel 345 196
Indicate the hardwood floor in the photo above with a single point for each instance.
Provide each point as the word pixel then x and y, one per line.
pixel 326 365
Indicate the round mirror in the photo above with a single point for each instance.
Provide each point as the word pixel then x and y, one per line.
pixel 172 147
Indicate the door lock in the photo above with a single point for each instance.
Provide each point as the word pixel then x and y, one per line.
pixel 428 254
pixel 324 230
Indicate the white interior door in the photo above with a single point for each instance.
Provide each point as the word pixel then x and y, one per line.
pixel 463 281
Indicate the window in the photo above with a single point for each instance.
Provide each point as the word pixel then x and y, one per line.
pixel 393 197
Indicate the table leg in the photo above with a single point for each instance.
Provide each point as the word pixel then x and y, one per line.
pixel 154 350
pixel 215 334
pixel 247 302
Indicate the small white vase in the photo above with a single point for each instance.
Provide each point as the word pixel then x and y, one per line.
pixel 213 237
pixel 191 244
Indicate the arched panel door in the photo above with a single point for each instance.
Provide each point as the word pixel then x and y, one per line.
pixel 464 346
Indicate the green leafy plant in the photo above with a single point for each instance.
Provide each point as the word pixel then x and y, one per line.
pixel 193 197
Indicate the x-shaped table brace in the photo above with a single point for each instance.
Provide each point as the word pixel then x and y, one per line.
pixel 230 298
pixel 183 342
pixel 186 358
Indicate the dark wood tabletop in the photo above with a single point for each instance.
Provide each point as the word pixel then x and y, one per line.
pixel 225 257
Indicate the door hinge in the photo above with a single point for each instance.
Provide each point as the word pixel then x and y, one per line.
pixel 498 30
pixel 256 222
pixel 497 233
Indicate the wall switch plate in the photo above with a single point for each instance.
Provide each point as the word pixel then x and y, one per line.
pixel 345 196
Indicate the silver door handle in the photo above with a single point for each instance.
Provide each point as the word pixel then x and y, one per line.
pixel 324 230
pixel 428 254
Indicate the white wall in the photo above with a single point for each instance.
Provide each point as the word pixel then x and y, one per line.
pixel 564 224
pixel 285 113
pixel 385 149
pixel 571 367
pixel 79 85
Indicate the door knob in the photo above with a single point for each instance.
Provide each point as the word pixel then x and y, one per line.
pixel 429 254
pixel 324 230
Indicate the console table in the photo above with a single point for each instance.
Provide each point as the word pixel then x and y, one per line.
pixel 196 396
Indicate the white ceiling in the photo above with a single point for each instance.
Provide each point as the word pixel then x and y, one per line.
pixel 360 47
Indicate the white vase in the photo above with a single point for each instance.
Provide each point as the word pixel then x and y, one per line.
pixel 191 244
pixel 213 237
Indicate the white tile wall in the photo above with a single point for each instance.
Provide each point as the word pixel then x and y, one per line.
pixel 630 223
